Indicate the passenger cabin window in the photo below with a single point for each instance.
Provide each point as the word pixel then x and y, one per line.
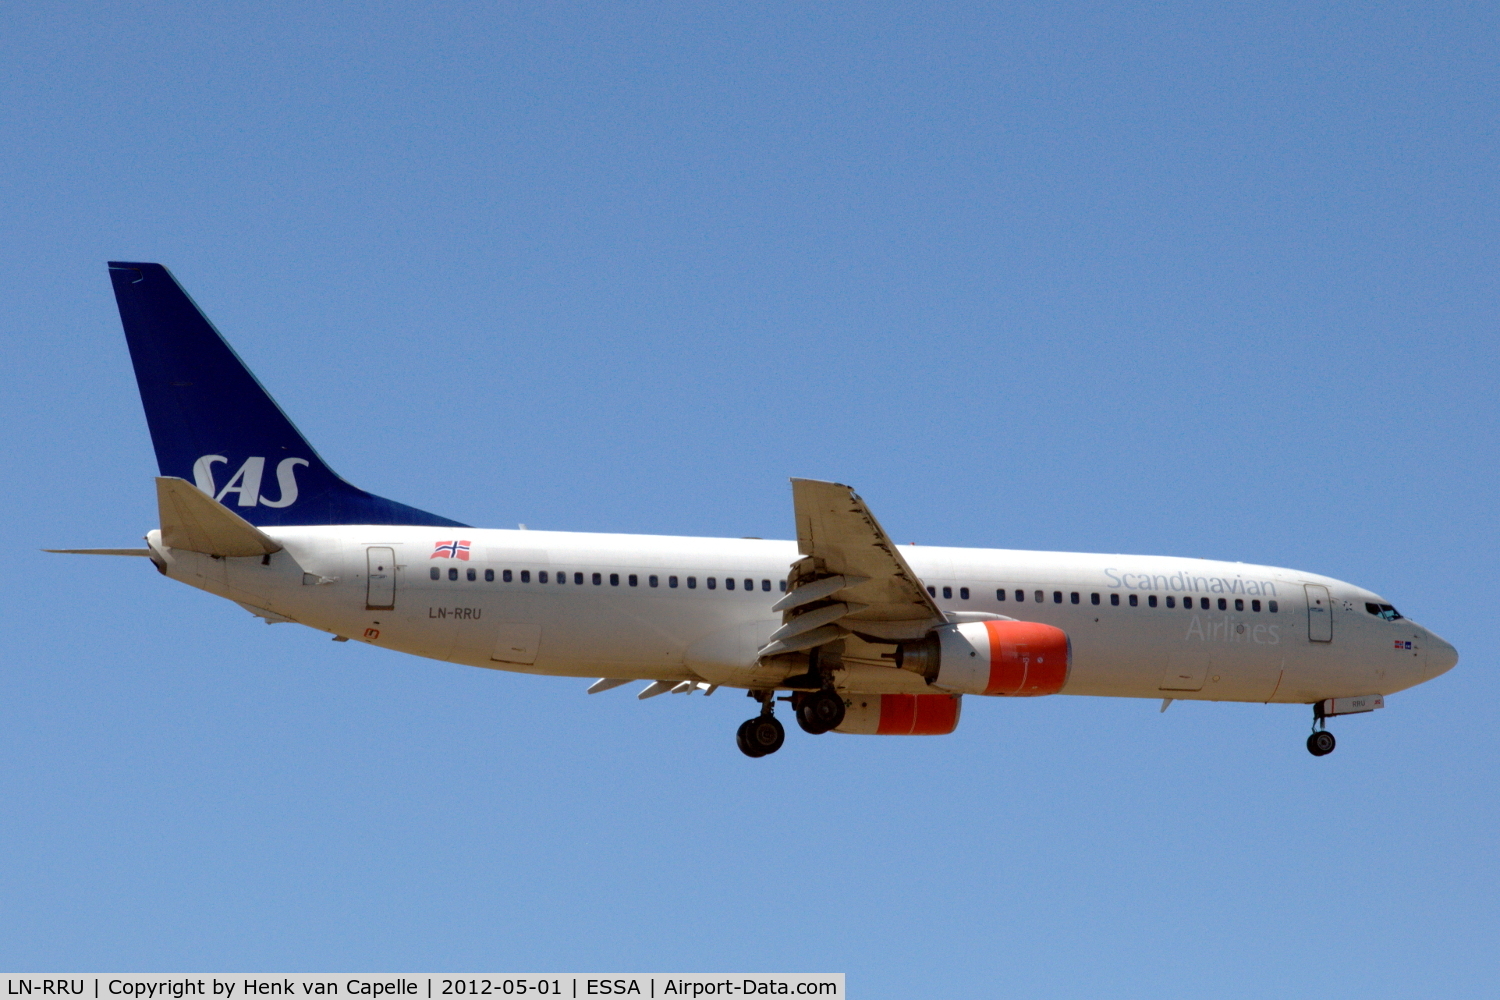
pixel 525 576
pixel 750 584
pixel 1093 598
pixel 1223 604
pixel 1041 598
pixel 434 573
pixel 541 576
pixel 1271 606
pixel 1073 597
pixel 1057 597
pixel 578 578
pixel 1000 595
pixel 947 591
pixel 963 593
pixel 1239 604
pixel 506 576
pixel 1020 595
pixel 931 591
pixel 765 585
pixel 453 573
pixel 1134 600
pixel 1171 601
pixel 489 576
pixel 729 583
pixel 1383 611
pixel 562 578
pixel 632 579
pixel 1151 601
pixel 614 579
pixel 651 581
pixel 672 582
pixel 472 574
pixel 1114 599
pixel 1254 605
pixel 783 586
pixel 598 579
pixel 713 582
pixel 692 583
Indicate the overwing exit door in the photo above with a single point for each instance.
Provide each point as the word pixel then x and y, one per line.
pixel 380 574
pixel 1319 613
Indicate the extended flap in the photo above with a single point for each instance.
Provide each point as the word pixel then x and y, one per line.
pixel 194 521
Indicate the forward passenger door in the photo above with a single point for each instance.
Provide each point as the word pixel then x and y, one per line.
pixel 1319 613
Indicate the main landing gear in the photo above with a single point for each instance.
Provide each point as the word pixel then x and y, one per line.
pixel 1321 742
pixel 817 712
pixel 760 736
pixel 763 734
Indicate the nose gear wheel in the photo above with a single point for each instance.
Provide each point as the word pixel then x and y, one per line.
pixel 1321 743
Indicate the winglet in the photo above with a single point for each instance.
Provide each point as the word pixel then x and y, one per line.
pixel 194 521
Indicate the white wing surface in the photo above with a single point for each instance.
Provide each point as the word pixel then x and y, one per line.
pixel 851 577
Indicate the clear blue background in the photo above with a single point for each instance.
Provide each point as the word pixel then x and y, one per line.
pixel 1206 280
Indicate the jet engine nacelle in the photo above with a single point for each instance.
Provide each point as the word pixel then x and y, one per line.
pixel 901 714
pixel 992 657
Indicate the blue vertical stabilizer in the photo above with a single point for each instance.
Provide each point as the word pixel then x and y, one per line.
pixel 213 424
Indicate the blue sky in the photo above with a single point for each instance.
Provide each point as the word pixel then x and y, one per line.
pixel 1201 280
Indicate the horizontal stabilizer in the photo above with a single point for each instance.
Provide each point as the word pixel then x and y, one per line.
pixel 194 521
pixel 103 552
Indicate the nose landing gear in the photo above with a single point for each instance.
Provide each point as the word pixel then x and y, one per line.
pixel 1321 742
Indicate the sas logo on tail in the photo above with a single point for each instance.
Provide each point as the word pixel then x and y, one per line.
pixel 245 483
pixel 450 550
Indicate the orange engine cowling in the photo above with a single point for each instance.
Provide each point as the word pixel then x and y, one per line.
pixel 992 657
pixel 901 714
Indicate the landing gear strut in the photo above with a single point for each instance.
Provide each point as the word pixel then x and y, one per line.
pixel 1321 742
pixel 763 734
pixel 819 711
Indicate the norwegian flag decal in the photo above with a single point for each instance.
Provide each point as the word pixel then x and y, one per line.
pixel 450 550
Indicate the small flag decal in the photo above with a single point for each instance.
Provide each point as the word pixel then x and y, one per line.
pixel 450 550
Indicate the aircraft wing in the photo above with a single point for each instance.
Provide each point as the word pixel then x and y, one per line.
pixel 851 578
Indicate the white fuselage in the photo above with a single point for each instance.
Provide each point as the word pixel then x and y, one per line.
pixel 1218 640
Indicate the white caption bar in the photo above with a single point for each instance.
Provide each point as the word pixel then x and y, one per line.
pixel 424 986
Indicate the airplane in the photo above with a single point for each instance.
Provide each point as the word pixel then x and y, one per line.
pixel 855 633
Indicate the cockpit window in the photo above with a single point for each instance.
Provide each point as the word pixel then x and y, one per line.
pixel 1384 611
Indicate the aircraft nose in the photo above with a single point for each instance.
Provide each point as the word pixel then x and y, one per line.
pixel 1441 656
